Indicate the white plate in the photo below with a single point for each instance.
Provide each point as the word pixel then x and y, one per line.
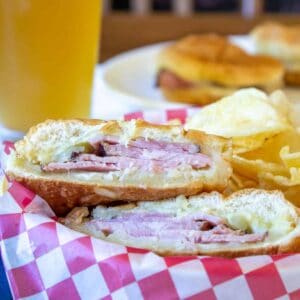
pixel 130 77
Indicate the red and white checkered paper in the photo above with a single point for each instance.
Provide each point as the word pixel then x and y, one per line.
pixel 46 260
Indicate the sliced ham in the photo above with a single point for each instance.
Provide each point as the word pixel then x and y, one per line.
pixel 163 220
pixel 145 155
pixel 169 80
pixel 214 220
pixel 192 229
pixel 138 227
pixel 208 237
pixel 197 160
pixel 167 146
pixel 91 162
pixel 117 150
pixel 147 144
pixel 190 233
pixel 124 162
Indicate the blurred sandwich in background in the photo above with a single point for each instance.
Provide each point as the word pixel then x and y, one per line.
pixel 200 69
pixel 281 42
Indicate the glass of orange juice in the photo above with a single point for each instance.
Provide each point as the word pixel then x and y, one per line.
pixel 48 50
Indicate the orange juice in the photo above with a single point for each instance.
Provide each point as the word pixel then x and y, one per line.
pixel 48 50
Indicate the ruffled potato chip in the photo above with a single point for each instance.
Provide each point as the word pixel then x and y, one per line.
pixel 270 150
pixel 293 96
pixel 265 134
pixel 290 160
pixel 273 165
pixel 248 116
pixel 245 113
pixel 281 103
pixel 245 144
pixel 251 168
pixel 238 182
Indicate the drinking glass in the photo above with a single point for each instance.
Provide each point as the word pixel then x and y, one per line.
pixel 48 50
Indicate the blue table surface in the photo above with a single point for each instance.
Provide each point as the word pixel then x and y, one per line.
pixel 4 287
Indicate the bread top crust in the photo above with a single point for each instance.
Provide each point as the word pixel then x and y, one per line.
pixel 46 141
pixel 213 58
pixel 278 40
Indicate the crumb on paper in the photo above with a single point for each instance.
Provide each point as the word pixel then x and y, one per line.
pixel 174 122
pixel 3 185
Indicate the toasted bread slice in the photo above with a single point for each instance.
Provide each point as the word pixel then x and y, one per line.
pixel 42 162
pixel 248 222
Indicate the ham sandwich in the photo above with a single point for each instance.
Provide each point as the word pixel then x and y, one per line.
pixel 200 69
pixel 87 162
pixel 247 222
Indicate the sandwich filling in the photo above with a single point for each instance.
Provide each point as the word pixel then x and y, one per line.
pixel 191 229
pixel 108 153
pixel 201 224
pixel 171 81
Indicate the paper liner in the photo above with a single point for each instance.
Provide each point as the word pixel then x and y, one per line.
pixel 46 260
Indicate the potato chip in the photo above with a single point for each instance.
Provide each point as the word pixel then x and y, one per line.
pixel 293 96
pixel 287 103
pixel 265 134
pixel 246 144
pixel 281 103
pixel 270 150
pixel 243 182
pixel 293 179
pixel 238 182
pixel 247 112
pixel 251 168
pixel 290 160
pixel 231 188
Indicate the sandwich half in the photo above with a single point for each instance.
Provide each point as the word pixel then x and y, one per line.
pixel 281 42
pixel 248 222
pixel 87 162
pixel 201 69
